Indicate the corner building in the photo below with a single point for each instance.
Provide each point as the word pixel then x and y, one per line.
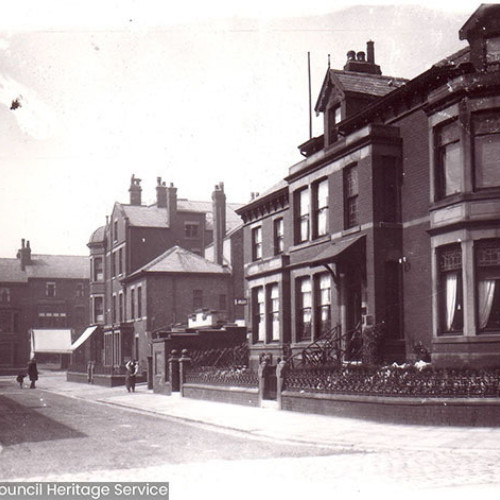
pixel 148 271
pixel 392 217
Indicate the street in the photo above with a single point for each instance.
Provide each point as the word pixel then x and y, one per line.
pixel 52 437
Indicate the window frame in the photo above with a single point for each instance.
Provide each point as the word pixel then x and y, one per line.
pixel 304 301
pixel 351 196
pixel 191 230
pixel 322 305
pixel 320 210
pixel 487 268
pixel 450 264
pixel 273 312
pixel 279 235
pixel 51 289
pixel 98 274
pixel 98 318
pixel 302 215
pixel 479 139
pixel 257 243
pixel 447 140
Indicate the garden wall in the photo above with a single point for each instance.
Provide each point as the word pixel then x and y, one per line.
pixel 248 396
pixel 482 412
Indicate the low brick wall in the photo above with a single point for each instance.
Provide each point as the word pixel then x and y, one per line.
pixel 247 396
pixel 473 412
pixel 102 380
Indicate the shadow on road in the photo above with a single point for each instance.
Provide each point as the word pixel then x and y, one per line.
pixel 24 424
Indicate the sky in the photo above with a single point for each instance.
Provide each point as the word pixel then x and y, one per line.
pixel 195 92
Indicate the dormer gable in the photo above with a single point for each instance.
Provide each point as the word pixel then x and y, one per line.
pixel 347 92
pixel 482 31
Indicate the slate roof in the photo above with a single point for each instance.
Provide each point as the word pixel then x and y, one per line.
pixel 152 216
pixel 45 267
pixel 98 235
pixel 179 260
pixel 365 83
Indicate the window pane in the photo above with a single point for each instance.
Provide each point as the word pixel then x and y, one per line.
pixel 322 194
pixel 493 49
pixel 487 158
pixel 452 168
pixel 304 202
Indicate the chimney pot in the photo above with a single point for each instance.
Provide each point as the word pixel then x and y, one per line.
pixel 351 55
pixel 360 56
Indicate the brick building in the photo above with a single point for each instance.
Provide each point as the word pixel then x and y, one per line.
pixel 148 271
pixel 44 294
pixel 392 215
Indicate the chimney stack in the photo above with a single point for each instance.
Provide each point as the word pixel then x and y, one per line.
pixel 161 193
pixel 219 222
pixel 358 63
pixel 171 193
pixel 24 254
pixel 135 191
pixel 370 51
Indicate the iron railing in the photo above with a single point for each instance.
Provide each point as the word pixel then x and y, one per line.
pixel 395 381
pixel 330 349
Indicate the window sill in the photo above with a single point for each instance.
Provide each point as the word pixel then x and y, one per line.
pixel 351 230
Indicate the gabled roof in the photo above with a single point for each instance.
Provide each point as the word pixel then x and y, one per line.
pixel 179 260
pixel 482 15
pixel 145 216
pixel 45 267
pixel 152 216
pixel 360 83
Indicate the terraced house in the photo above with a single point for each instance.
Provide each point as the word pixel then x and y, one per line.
pixel 392 217
pixel 43 306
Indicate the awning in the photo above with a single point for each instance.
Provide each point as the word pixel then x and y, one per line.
pixel 334 251
pixel 83 337
pixel 53 341
pixel 324 254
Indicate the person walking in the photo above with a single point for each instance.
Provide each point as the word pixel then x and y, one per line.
pixel 132 367
pixel 32 372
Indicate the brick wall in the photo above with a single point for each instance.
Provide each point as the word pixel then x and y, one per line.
pixel 452 412
pixel 221 394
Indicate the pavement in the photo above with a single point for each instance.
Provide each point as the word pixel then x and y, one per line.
pixel 271 423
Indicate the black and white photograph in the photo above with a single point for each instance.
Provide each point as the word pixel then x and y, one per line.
pixel 249 250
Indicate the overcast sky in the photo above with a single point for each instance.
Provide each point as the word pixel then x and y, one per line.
pixel 197 93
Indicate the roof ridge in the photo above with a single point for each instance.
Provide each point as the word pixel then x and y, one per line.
pixel 370 75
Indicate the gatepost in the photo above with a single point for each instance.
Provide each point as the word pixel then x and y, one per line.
pixel 280 379
pixel 173 370
pixel 184 364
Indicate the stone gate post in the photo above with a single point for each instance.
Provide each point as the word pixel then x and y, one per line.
pixel 184 364
pixel 173 370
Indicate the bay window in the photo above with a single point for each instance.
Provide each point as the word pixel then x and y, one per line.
pixel 487 256
pixel 274 311
pixel 493 50
pixel 486 128
pixel 449 165
pixel 450 290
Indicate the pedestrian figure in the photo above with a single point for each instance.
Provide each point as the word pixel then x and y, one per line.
pixel 132 367
pixel 32 372
pixel 20 379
